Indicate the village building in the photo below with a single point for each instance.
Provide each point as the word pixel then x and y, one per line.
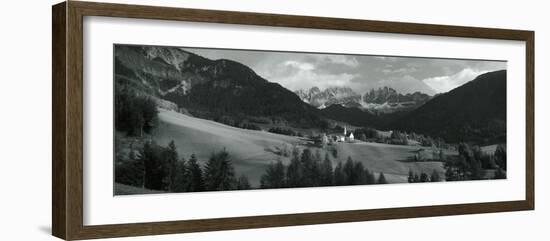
pixel 322 140
pixel 349 136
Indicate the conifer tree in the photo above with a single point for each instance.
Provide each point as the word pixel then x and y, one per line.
pixel 382 179
pixel 219 173
pixel 243 183
pixel 181 176
pixel 170 165
pixel 294 174
pixel 151 156
pixel 326 171
pixel 194 179
pixel 359 176
pixel 339 176
pixel 274 176
pixel 349 172
pixel 310 163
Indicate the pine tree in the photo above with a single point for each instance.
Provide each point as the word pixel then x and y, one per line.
pixel 359 176
pixel 170 165
pixel 382 179
pixel 148 117
pixel 129 171
pixel 294 174
pixel 181 176
pixel 339 176
pixel 349 172
pixel 308 171
pixel 193 179
pixel 326 171
pixel 219 173
pixel 311 168
pixel 242 183
pixel 274 176
pixel 154 174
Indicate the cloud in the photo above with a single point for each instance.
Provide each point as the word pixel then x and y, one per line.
pixel 446 83
pixel 343 59
pixel 299 65
pixel 406 70
pixel 296 75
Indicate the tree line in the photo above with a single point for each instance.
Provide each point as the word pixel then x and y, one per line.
pixel 285 131
pixel 156 167
pixel 424 177
pixel 308 169
pixel 135 114
pixel 472 164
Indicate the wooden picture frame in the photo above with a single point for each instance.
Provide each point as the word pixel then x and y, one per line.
pixel 67 124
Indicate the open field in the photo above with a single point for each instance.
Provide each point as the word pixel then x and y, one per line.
pixel 203 137
pixel 388 159
pixel 252 151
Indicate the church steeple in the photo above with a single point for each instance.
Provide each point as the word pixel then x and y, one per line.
pixel 345 131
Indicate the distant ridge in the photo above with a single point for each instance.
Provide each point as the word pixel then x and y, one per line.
pixel 381 101
pixel 475 111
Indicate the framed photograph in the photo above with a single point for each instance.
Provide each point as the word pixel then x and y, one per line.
pixel 171 120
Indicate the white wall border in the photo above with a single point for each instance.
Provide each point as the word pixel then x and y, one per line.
pixel 100 207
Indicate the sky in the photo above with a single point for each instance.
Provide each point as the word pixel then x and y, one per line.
pixel 362 73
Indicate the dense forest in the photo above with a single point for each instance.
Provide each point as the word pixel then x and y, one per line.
pixel 310 169
pixel 155 167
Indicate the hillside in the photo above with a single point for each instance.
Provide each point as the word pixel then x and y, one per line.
pixel 474 112
pixel 252 151
pixel 249 149
pixel 208 88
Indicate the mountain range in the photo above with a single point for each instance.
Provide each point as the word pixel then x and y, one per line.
pixel 211 89
pixel 378 101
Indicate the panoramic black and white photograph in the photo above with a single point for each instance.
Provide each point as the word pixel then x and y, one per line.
pixel 201 119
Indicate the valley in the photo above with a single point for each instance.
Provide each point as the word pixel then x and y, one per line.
pixel 252 151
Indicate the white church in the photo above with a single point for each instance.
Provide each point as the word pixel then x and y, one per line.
pixel 347 137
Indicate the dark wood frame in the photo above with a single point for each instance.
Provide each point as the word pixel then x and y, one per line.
pixel 67 123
